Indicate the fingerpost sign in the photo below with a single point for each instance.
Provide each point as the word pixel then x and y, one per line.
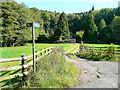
pixel 33 41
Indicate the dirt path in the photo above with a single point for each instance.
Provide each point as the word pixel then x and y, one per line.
pixel 97 74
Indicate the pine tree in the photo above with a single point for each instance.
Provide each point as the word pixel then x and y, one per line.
pixel 62 31
pixel 91 29
pixel 102 24
pixel 92 8
pixel 101 29
pixel 116 29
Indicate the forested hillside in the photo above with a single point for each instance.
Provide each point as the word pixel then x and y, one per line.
pixel 99 26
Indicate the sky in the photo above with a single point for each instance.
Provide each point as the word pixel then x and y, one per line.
pixel 70 6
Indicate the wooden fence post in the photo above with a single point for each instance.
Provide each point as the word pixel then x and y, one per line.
pixel 23 69
pixel 40 53
pixel 36 55
pixel 44 51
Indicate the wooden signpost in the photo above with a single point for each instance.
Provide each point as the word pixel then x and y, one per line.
pixel 33 41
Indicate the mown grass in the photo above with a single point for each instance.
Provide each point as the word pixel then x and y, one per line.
pixel 70 53
pixel 53 72
pixel 12 52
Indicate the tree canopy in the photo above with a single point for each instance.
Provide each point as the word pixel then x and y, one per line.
pixel 56 26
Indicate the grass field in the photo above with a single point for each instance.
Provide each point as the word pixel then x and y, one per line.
pixel 12 52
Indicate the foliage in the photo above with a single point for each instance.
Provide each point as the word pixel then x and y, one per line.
pixel 15 17
pixel 79 35
pixel 62 32
pixel 116 29
pixel 101 28
pixel 91 30
pixel 54 72
pixel 57 26
pixel 102 24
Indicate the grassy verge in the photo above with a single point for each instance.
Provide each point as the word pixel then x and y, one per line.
pixel 71 55
pixel 103 54
pixel 53 72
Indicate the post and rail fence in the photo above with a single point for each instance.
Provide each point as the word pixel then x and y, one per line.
pixel 24 65
pixel 83 49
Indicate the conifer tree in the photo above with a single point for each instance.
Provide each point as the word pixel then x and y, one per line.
pixel 91 29
pixel 92 8
pixel 101 29
pixel 62 31
pixel 102 24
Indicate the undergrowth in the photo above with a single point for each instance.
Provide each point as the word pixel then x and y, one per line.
pixel 53 72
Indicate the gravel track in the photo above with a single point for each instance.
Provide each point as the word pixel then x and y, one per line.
pixel 96 74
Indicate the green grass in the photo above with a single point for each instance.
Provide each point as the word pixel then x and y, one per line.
pixel 73 49
pixel 53 72
pixel 17 51
pixel 70 55
pixel 12 52
pixel 101 54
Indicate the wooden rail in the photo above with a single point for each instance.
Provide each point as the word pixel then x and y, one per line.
pixel 103 49
pixel 26 57
pixel 13 76
pixel 23 66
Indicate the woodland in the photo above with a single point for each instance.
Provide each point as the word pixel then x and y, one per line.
pixel 93 26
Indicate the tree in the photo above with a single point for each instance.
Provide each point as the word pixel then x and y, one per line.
pixel 15 17
pixel 107 14
pixel 62 31
pixel 91 29
pixel 79 35
pixel 74 24
pixel 101 29
pixel 92 8
pixel 116 29
pixel 102 24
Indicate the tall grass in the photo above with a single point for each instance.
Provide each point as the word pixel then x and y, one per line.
pixel 53 72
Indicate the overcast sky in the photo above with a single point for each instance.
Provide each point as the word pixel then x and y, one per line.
pixel 70 6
